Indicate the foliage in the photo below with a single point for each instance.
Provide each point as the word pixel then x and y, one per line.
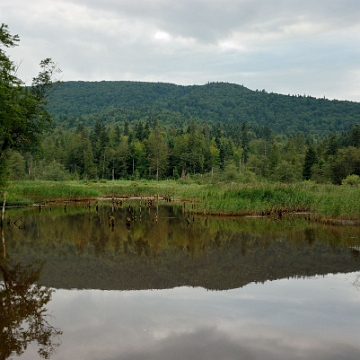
pixel 353 180
pixel 233 106
pixel 23 117
pixel 15 165
pixel 310 160
pixel 211 194
pixel 196 144
pixel 127 130
pixel 106 153
pixel 346 162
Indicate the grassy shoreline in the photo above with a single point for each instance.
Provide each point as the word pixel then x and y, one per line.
pixel 322 201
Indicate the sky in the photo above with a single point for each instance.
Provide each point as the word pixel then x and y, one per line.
pixel 309 47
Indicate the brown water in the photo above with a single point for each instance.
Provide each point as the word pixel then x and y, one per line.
pixel 120 283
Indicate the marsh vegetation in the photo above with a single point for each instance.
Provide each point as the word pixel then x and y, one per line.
pixel 204 197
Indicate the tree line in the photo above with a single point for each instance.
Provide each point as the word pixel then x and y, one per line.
pixel 108 130
pixel 150 150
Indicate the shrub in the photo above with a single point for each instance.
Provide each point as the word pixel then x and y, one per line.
pixel 54 171
pixel 352 180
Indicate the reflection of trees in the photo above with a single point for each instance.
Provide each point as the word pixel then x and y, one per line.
pixel 216 253
pixel 3 240
pixel 23 312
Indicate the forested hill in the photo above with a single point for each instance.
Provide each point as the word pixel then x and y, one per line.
pixel 175 105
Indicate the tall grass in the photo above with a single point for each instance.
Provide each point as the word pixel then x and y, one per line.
pixel 256 199
pixel 327 201
pixel 38 191
pixel 342 202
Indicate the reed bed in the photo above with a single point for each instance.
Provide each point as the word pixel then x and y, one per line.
pixel 322 201
pixel 45 191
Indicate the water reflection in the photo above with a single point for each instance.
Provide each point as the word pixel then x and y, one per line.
pixel 23 317
pixel 279 299
pixel 283 319
pixel 107 247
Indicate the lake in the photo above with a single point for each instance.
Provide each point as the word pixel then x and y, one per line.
pixel 130 281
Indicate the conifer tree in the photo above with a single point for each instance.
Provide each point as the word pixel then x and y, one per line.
pixel 245 140
pixel 310 160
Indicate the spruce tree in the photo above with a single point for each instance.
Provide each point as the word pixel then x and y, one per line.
pixel 310 160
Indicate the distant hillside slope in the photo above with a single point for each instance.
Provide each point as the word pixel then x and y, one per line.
pixel 175 105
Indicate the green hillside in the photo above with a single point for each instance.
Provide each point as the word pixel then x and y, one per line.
pixel 175 105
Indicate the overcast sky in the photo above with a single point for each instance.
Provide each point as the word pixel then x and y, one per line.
pixel 307 47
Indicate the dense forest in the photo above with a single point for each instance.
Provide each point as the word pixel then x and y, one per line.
pixel 176 106
pixel 220 131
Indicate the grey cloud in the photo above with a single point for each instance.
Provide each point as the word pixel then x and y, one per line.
pixel 211 20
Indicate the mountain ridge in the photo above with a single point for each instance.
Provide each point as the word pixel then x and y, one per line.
pixel 216 102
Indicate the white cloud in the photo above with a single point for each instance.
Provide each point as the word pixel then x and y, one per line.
pixel 162 36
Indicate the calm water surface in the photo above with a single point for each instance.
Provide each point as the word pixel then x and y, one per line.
pixel 109 284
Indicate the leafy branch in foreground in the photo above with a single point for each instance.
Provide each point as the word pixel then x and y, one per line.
pixel 23 117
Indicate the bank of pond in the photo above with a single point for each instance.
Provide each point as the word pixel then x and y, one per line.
pixel 321 202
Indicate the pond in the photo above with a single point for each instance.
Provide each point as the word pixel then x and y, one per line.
pixel 131 281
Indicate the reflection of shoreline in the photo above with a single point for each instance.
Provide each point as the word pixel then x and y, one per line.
pixel 216 270
pixel 165 248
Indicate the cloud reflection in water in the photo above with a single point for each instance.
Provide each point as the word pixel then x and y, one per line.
pixel 316 318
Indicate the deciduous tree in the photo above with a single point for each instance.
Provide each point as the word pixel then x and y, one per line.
pixel 23 116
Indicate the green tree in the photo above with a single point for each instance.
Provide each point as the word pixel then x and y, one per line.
pixel 89 167
pixel 54 171
pixel 117 134
pixel 158 151
pixel 332 144
pixel 139 131
pixel 245 140
pixel 346 162
pixel 354 136
pixel 195 149
pixel 258 164
pixel 141 164
pixel 16 165
pixel 180 153
pixel 215 157
pixel 23 116
pixel 219 144
pixel 274 157
pixel 121 157
pixel 310 161
pixel 285 172
pixel 75 154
